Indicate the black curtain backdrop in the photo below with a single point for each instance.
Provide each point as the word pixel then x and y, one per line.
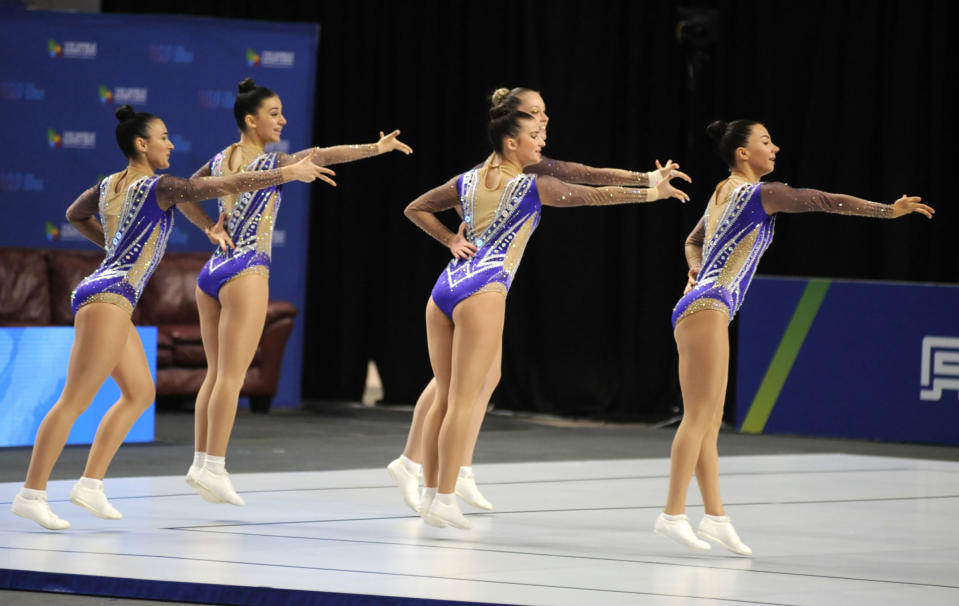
pixel 853 93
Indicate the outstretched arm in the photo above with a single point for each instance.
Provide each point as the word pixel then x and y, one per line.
pixel 82 216
pixel 554 192
pixel 779 197
pixel 340 154
pixel 175 190
pixel 422 211
pixel 574 172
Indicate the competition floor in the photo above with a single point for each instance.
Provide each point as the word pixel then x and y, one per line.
pixel 825 529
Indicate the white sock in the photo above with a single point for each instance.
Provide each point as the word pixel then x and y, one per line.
pixel 446 499
pixel 427 495
pixel 199 458
pixel 466 472
pixel 717 519
pixel 215 464
pixel 91 483
pixel 410 465
pixel 675 518
pixel 33 494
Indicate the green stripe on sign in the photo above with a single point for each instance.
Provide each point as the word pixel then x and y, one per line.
pixel 785 356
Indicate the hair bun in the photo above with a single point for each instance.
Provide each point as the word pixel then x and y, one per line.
pixel 716 130
pixel 124 113
pixel 246 85
pixel 498 95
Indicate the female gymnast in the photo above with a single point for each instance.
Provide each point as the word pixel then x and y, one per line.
pixel 723 251
pixel 500 206
pixel 233 287
pixel 136 218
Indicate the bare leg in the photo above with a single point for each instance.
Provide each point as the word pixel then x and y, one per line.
pixel 242 317
pixel 137 391
pixel 478 330
pixel 414 441
pixel 703 343
pixel 100 337
pixel 482 403
pixel 439 337
pixel 209 309
pixel 707 467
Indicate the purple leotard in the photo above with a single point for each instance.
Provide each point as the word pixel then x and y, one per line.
pixel 253 242
pixel 133 252
pixel 499 248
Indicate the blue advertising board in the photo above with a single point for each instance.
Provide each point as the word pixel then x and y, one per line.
pixel 867 360
pixel 33 370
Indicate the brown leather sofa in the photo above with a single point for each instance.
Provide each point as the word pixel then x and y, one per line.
pixel 35 287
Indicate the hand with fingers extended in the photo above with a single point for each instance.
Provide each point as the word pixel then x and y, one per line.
pixel 460 246
pixel 306 171
pixel 666 190
pixel 670 170
pixel 692 281
pixel 911 204
pixel 391 143
pixel 218 235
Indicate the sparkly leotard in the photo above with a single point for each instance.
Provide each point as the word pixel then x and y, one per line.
pixel 249 223
pixel 136 230
pixel 135 245
pixel 251 216
pixel 499 247
pixel 726 248
pixel 499 223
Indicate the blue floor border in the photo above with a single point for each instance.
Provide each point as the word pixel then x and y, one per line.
pixel 199 593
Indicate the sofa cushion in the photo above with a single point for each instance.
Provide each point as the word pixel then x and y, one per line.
pixel 67 269
pixel 25 286
pixel 169 296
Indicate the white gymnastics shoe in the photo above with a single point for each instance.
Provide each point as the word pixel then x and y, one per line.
pixel 95 501
pixel 408 483
pixel 219 486
pixel 466 489
pixel 719 530
pixel 39 511
pixel 678 529
pixel 440 514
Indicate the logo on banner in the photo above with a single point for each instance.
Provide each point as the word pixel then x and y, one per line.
pixel 128 95
pixel 17 181
pixel 170 53
pixel 72 139
pixel 52 232
pixel 72 49
pixel 270 58
pixel 940 367
pixel 215 99
pixel 16 91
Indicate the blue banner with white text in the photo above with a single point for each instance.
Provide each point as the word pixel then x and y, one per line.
pixel 70 73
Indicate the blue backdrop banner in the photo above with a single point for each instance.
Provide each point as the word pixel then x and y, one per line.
pixel 71 72
pixel 867 360
pixel 33 369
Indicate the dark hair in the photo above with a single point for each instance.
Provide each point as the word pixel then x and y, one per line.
pixel 249 98
pixel 508 98
pixel 730 136
pixel 504 122
pixel 132 125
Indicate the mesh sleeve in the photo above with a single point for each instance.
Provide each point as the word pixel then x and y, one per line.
pixel 694 245
pixel 573 172
pixel 85 206
pixel 422 211
pixel 554 192
pixel 325 156
pixel 779 197
pixel 174 190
